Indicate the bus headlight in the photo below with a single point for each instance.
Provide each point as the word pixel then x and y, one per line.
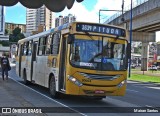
pixel 122 83
pixel 74 80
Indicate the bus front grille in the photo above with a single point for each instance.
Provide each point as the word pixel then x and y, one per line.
pixel 100 77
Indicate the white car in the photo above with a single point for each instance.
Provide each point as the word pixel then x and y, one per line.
pixel 133 66
pixel 153 67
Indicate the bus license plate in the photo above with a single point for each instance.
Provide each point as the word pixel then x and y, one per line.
pixel 99 92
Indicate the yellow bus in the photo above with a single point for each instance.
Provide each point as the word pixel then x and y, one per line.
pixel 79 58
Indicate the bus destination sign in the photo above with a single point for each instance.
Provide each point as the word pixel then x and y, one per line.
pixel 83 27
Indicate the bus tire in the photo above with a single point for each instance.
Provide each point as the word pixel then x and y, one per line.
pixel 25 78
pixel 52 88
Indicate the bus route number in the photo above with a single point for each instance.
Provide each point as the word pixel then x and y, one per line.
pixel 86 28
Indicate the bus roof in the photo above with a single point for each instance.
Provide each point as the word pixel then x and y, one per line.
pixel 44 33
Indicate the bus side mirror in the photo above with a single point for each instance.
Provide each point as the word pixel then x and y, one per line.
pixel 129 51
pixel 70 38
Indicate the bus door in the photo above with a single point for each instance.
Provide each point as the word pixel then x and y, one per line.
pixel 62 68
pixel 33 60
pixel 28 59
pixel 20 58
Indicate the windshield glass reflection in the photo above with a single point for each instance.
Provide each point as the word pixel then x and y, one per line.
pixel 100 54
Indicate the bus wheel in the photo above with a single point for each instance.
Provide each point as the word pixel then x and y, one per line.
pixel 52 88
pixel 25 78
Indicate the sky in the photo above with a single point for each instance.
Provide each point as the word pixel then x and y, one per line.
pixel 17 13
pixel 87 11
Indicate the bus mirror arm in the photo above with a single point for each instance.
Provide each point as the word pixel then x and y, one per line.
pixel 71 38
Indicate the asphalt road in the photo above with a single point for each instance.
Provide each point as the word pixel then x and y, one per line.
pixel 138 96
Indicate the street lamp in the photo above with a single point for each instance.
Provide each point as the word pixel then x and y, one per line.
pixel 130 40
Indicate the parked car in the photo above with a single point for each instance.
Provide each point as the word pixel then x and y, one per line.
pixel 133 65
pixel 158 67
pixel 153 67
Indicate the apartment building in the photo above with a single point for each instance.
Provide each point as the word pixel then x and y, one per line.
pixel 66 19
pixel 11 26
pixel 2 25
pixel 40 19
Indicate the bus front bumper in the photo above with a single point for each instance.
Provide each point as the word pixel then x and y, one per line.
pixel 102 91
pixel 91 90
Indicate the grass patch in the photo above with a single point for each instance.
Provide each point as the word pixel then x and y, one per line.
pixel 135 69
pixel 150 71
pixel 144 78
pixel 153 71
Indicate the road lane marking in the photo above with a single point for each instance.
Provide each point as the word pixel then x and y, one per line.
pixel 149 106
pixel 49 97
pixel 158 88
pixel 151 86
pixel 132 90
pixel 128 81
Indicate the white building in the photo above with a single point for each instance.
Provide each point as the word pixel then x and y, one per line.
pixel 41 17
pixel 59 21
pixel 66 19
pixel 2 25
pixel 2 28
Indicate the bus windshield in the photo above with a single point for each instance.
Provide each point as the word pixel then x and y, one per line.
pixel 102 53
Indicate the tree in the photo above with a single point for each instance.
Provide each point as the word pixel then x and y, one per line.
pixel 6 32
pixel 4 43
pixel 16 35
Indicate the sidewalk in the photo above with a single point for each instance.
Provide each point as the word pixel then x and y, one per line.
pixel 13 95
pixel 16 95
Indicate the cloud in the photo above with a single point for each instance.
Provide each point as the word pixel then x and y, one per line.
pixel 81 13
pixel 85 15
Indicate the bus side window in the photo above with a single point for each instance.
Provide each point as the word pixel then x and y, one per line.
pixel 40 46
pixel 48 44
pixel 18 47
pixel 27 48
pixel 30 48
pixel 24 50
pixel 55 44
pixel 44 45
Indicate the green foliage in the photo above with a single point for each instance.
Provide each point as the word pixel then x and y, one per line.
pixel 4 43
pixel 6 32
pixel 137 50
pixel 16 36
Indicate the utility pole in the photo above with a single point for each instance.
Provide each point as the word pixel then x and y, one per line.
pixel 130 40
pixel 122 10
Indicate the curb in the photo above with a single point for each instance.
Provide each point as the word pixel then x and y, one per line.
pixel 154 83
